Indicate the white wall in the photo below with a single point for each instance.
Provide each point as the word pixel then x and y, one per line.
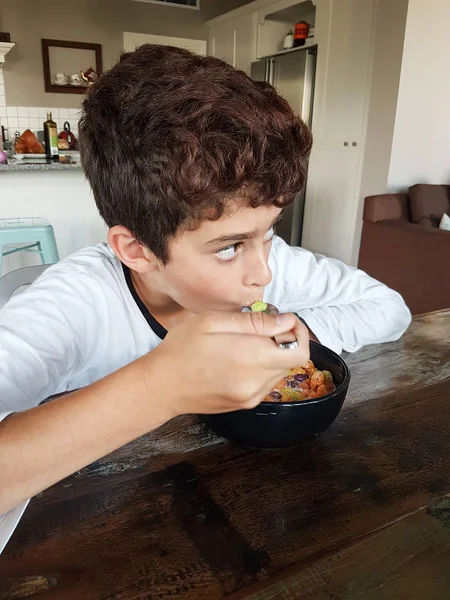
pixel 421 142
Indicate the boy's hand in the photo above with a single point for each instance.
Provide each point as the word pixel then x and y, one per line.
pixel 221 362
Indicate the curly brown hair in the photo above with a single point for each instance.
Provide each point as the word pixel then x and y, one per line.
pixel 169 138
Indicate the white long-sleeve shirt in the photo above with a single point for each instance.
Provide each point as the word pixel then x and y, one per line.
pixel 79 321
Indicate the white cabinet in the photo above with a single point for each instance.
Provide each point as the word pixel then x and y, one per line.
pixel 339 125
pixel 244 36
pixel 221 42
pixel 346 71
pixel 234 41
pixel 329 206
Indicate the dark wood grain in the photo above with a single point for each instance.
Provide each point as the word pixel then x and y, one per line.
pixel 421 357
pixel 182 514
pixel 406 560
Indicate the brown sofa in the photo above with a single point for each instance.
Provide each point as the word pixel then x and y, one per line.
pixel 403 247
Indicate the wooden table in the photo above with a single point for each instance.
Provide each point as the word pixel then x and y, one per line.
pixel 360 513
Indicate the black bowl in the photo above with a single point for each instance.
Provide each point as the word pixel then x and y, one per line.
pixel 282 424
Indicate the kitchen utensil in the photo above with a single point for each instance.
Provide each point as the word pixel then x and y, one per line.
pixel 286 341
pixel 69 135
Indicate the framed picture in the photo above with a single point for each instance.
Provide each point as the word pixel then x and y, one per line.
pixel 69 67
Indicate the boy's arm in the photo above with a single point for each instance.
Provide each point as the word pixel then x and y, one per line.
pixel 342 306
pixel 234 365
pixel 49 335
pixel 42 445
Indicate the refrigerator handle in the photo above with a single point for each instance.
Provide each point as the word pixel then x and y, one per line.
pixel 266 70
pixel 308 93
pixel 270 74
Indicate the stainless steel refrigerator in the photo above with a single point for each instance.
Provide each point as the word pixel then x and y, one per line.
pixel 293 75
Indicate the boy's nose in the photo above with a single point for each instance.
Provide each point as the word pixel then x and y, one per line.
pixel 259 274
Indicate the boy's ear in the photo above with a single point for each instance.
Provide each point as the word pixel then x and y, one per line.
pixel 130 252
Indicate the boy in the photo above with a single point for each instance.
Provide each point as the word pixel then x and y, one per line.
pixel 191 164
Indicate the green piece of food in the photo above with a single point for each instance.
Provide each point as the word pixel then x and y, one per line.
pixel 328 378
pixel 259 306
pixel 288 395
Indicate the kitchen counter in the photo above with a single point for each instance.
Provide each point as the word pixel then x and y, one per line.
pixel 40 165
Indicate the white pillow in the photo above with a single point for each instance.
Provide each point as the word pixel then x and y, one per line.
pixel 445 222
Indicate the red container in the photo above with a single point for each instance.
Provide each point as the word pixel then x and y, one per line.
pixel 301 33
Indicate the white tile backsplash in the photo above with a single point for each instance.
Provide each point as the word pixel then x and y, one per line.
pixel 34 123
pixel 2 99
pixel 33 117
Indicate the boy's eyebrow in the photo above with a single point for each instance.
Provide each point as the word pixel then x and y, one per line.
pixel 239 237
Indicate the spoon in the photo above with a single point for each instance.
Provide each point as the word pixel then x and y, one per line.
pixel 286 341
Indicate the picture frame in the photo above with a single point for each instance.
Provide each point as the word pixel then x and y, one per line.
pixel 72 47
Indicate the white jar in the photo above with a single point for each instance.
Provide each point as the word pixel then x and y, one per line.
pixel 288 41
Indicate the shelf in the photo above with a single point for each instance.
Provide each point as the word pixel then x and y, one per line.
pixel 5 47
pixel 310 43
pixel 292 14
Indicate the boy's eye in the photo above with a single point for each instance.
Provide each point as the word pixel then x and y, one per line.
pixel 228 253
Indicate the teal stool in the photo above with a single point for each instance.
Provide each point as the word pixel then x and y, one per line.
pixel 37 234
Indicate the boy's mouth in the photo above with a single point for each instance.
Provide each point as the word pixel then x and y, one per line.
pixel 256 299
pixel 251 302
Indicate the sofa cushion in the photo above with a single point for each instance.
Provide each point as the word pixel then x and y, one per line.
pixel 386 207
pixel 428 203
